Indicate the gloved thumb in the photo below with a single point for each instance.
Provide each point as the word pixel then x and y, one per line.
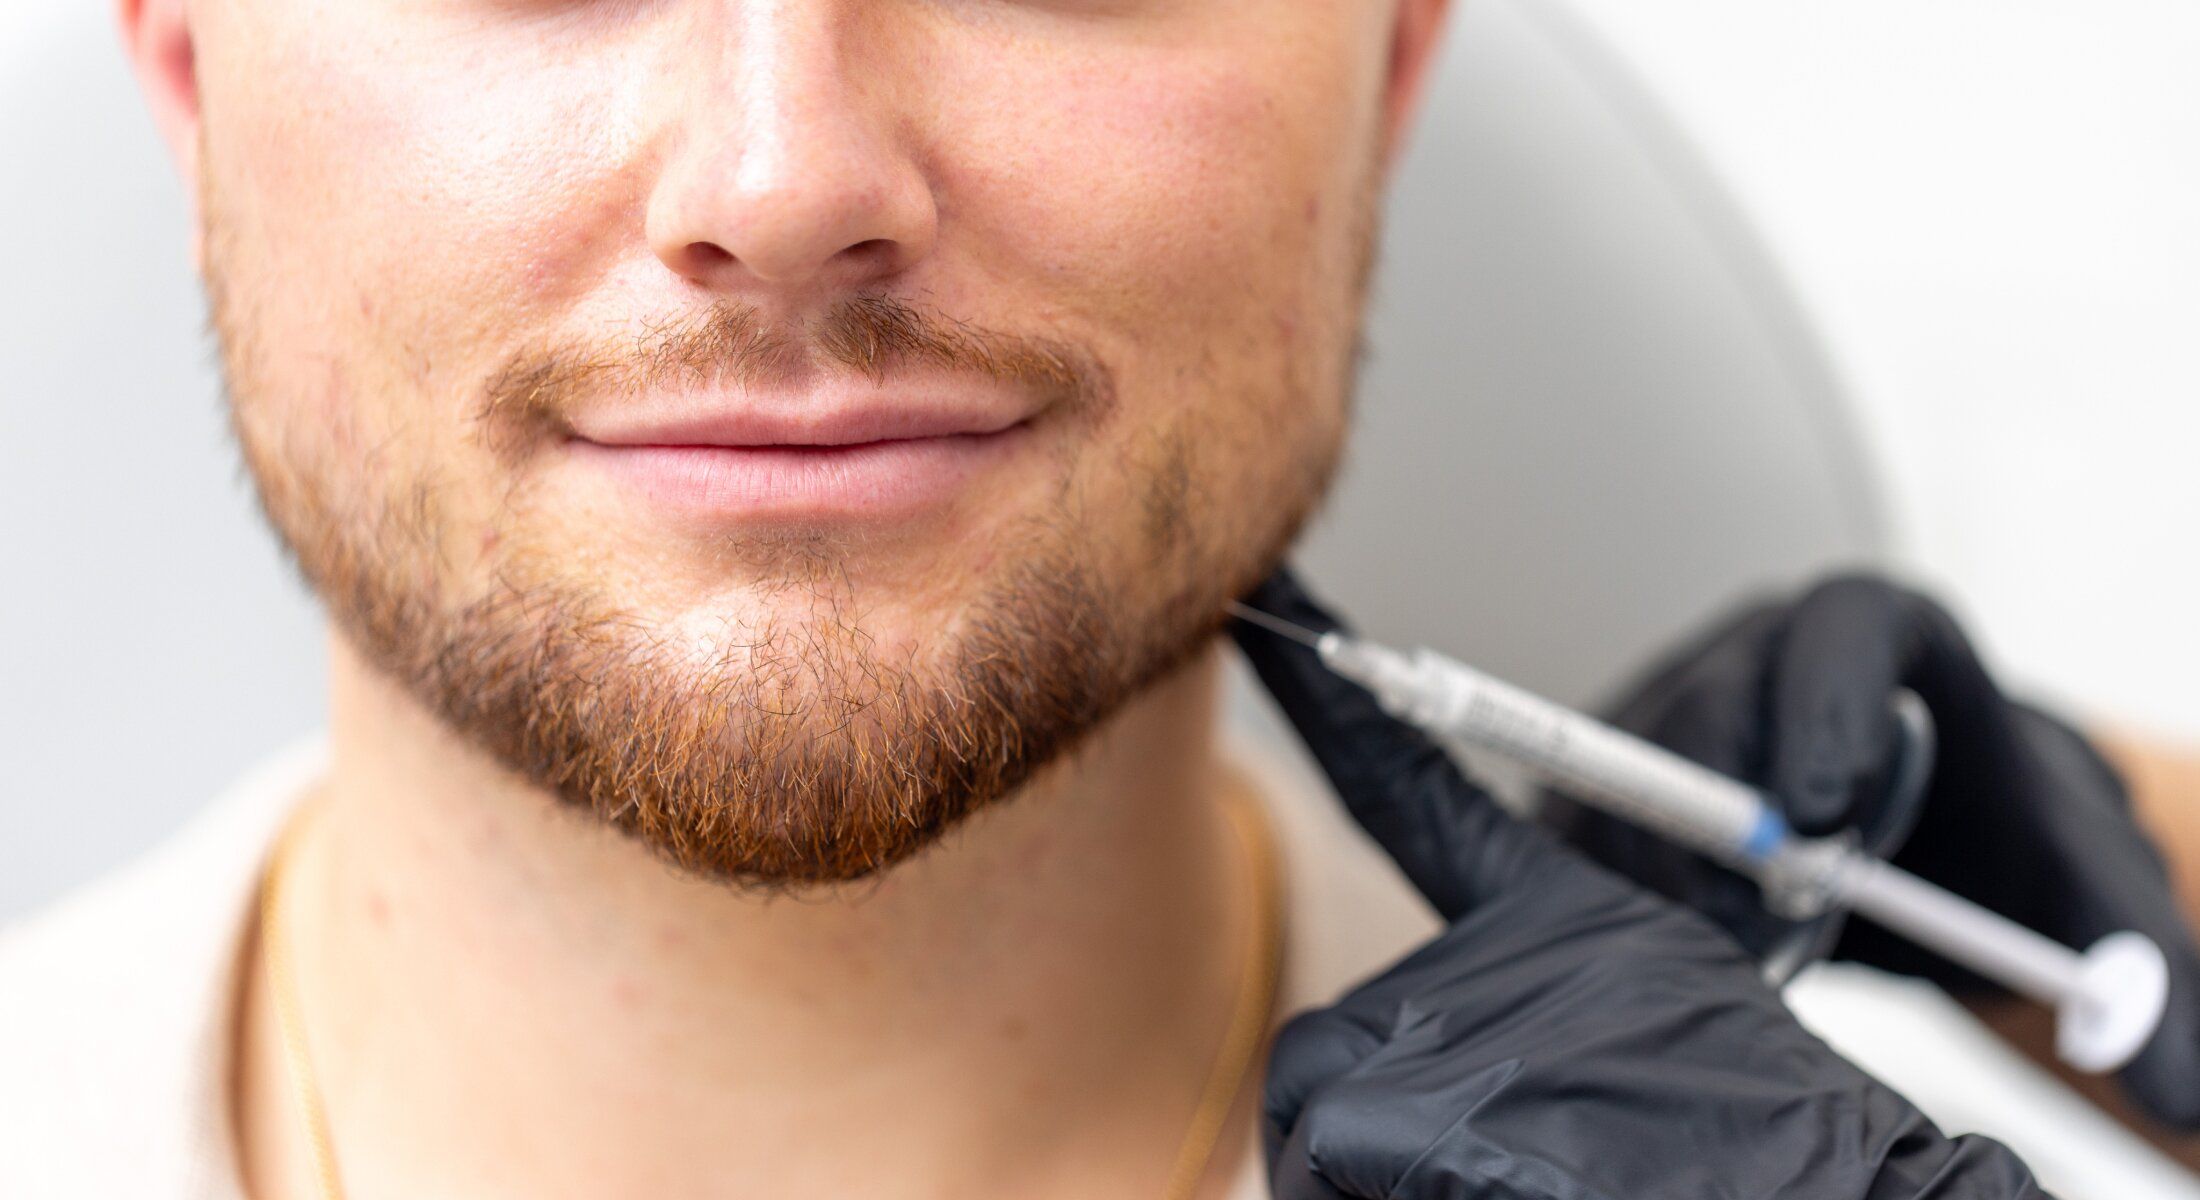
pixel 1451 840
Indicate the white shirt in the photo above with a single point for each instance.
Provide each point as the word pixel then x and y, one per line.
pixel 115 1005
pixel 115 1009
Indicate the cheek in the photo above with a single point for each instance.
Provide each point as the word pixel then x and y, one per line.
pixel 1203 215
pixel 413 198
pixel 1198 208
pixel 1153 191
pixel 395 216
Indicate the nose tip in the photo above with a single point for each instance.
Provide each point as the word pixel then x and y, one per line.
pixel 799 188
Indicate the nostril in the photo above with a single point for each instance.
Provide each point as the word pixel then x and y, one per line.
pixel 707 256
pixel 877 252
pixel 710 263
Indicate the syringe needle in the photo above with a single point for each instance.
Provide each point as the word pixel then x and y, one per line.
pixel 1276 625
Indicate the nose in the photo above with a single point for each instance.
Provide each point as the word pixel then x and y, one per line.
pixel 788 165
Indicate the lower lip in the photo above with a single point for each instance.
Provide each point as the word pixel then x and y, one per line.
pixel 869 479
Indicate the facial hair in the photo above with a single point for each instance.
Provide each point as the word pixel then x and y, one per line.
pixel 796 753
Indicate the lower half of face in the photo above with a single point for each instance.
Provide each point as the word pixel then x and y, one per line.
pixel 794 664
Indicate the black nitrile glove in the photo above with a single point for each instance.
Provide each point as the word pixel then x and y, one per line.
pixel 1569 1036
pixel 2020 814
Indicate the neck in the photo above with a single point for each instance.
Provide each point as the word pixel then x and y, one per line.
pixel 504 998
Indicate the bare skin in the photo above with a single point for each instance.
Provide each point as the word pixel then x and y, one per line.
pixel 967 731
pixel 1030 1008
pixel 2164 777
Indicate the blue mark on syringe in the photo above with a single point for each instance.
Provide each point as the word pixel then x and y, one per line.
pixel 1766 836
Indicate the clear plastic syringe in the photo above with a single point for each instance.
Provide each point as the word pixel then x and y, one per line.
pixel 2108 1000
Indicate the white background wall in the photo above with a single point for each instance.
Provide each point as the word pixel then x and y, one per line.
pixel 1988 208
pixel 1682 297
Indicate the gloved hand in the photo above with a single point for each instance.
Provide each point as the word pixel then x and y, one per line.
pixel 1569 1035
pixel 2020 814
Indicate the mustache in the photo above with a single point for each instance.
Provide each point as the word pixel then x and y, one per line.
pixel 736 344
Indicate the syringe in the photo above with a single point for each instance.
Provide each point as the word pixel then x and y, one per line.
pixel 2108 1000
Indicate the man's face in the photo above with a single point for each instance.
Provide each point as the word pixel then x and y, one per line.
pixel 780 426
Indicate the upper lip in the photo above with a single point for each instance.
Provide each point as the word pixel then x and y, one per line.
pixel 839 421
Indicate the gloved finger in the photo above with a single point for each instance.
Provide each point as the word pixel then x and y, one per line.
pixel 1445 833
pixel 2165 1077
pixel 2120 881
pixel 1365 1132
pixel 1310 1051
pixel 1847 645
pixel 1292 1174
pixel 1703 699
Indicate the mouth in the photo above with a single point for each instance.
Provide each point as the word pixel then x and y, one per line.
pixel 824 462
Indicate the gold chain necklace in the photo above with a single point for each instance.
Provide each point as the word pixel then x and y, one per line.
pixel 1249 1018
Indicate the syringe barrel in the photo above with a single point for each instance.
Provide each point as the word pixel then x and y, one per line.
pixel 1634 779
pixel 1644 783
